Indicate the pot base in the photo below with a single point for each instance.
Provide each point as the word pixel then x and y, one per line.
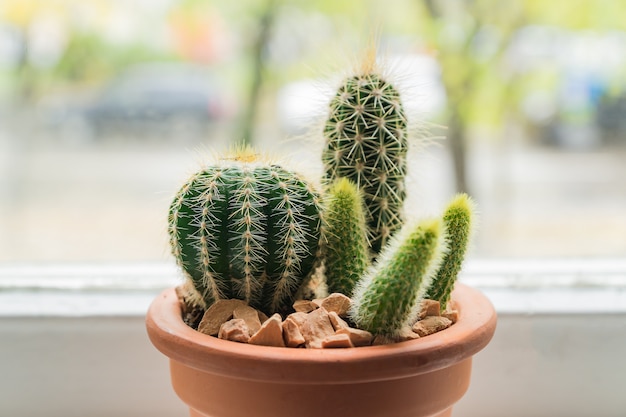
pixel 210 395
pixel 446 413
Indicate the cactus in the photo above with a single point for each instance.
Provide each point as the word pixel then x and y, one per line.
pixel 458 218
pixel 367 142
pixel 386 299
pixel 246 230
pixel 347 255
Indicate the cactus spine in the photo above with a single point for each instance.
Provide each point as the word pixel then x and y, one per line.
pixel 347 252
pixel 387 297
pixel 458 219
pixel 246 230
pixel 367 141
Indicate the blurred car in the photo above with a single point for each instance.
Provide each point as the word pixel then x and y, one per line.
pixel 157 99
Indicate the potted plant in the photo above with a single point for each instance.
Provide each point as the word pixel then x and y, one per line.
pixel 252 232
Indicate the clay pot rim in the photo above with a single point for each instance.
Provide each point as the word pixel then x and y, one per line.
pixel 472 332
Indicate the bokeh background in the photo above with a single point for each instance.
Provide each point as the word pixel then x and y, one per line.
pixel 106 106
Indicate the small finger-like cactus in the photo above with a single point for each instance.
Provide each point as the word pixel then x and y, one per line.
pixel 246 229
pixel 347 252
pixel 458 220
pixel 387 298
pixel 367 141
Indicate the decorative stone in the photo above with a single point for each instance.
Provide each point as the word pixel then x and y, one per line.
pixel 305 306
pixel 337 341
pixel 262 316
pixel 291 333
pixel 250 316
pixel 270 333
pixel 403 336
pixel 299 318
pixel 429 308
pixel 407 334
pixel 453 315
pixel 358 337
pixel 316 328
pixel 336 302
pixel 219 313
pixel 431 324
pixel 235 330
pixel 337 322
pixel 191 312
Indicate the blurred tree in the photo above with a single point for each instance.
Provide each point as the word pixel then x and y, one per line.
pixel 259 50
pixel 89 58
pixel 85 53
pixel 471 39
pixel 251 23
pixel 20 15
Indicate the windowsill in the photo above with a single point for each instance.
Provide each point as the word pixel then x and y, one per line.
pixel 514 287
pixel 77 290
pixel 73 332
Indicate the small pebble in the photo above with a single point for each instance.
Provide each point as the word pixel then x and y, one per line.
pixel 337 341
pixel 430 325
pixel 270 333
pixel 219 313
pixel 235 330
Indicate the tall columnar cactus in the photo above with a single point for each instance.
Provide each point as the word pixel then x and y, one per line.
pixel 458 219
pixel 388 296
pixel 347 252
pixel 247 230
pixel 367 142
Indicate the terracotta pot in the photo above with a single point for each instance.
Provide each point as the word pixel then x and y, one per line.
pixel 422 377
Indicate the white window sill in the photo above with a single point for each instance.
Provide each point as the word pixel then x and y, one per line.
pixel 514 287
pixel 74 344
pixel 78 290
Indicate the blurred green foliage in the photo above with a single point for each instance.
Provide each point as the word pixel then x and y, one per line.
pixel 469 38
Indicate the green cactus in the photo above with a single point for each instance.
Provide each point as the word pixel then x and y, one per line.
pixel 458 218
pixel 367 141
pixel 246 230
pixel 387 298
pixel 347 252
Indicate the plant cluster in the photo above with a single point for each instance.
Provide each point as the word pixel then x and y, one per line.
pixel 249 229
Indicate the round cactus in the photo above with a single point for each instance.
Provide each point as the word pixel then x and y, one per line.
pixel 386 299
pixel 367 141
pixel 246 230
